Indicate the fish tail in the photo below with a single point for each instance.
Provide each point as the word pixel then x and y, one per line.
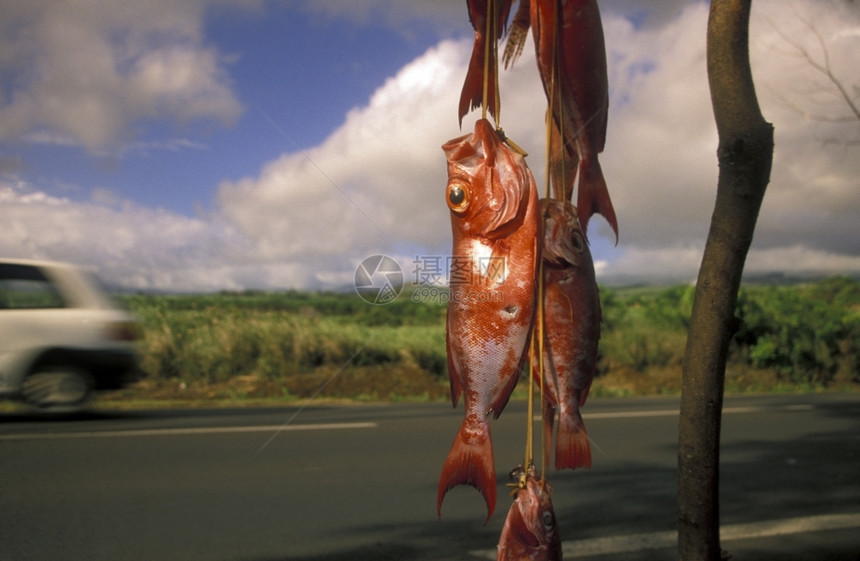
pixel 517 33
pixel 473 87
pixel 472 95
pixel 572 449
pixel 593 197
pixel 470 462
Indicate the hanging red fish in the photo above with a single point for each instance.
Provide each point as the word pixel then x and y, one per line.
pixel 495 225
pixel 530 532
pixel 572 330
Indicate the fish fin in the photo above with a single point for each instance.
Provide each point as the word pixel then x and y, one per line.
pixel 517 33
pixel 505 395
pixel 572 448
pixel 473 88
pixel 498 405
pixel 454 380
pixel 583 395
pixel 470 462
pixel 593 196
pixel 472 94
pixel 453 373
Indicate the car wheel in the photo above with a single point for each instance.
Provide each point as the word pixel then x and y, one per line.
pixel 58 389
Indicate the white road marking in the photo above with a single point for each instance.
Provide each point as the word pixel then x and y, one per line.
pixel 669 539
pixel 631 414
pixel 185 431
pixel 357 425
pixel 666 413
pixel 676 412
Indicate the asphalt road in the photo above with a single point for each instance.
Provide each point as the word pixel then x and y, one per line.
pixel 359 482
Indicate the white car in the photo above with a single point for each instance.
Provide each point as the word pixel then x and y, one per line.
pixel 61 337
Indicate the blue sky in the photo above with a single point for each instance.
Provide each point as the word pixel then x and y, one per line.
pixel 208 145
pixel 295 84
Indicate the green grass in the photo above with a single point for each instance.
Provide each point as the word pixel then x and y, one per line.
pixel 262 346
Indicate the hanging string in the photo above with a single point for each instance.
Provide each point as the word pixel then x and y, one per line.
pixel 528 458
pixel 489 56
pixel 557 95
pixel 540 327
pixel 495 48
pixel 537 343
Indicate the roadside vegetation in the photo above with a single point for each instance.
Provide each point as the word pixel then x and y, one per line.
pixel 292 345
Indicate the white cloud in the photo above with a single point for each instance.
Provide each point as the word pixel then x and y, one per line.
pixel 85 72
pixel 812 199
pixel 801 260
pixel 660 158
pixel 132 246
pixel 400 15
pixel 381 173
pixel 372 186
pixel 375 184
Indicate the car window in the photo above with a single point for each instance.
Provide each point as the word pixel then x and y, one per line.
pixel 24 286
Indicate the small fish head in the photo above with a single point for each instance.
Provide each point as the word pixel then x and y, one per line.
pixel 565 244
pixel 539 512
pixel 531 531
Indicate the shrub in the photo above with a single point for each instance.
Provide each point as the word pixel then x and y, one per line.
pixel 807 335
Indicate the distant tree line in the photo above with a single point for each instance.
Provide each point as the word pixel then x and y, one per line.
pixel 807 335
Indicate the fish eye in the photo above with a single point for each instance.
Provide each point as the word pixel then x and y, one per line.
pixel 458 196
pixel 578 242
pixel 548 521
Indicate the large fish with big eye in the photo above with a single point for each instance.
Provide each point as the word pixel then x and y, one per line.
pixel 572 330
pixel 492 291
pixel 530 532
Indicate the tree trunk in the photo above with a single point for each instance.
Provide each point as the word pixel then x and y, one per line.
pixel 745 153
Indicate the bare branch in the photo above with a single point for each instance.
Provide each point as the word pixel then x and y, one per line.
pixel 806 114
pixel 827 70
pixel 823 67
